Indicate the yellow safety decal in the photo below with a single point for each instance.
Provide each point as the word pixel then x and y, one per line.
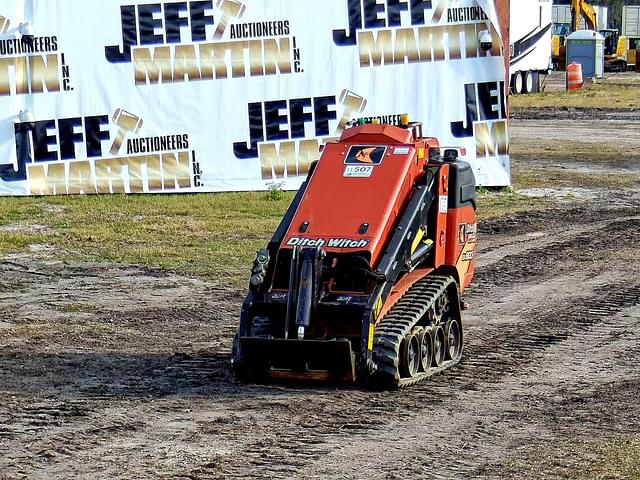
pixel 377 309
pixel 418 239
pixel 421 154
pixel 370 342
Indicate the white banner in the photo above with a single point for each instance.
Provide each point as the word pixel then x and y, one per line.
pixel 221 95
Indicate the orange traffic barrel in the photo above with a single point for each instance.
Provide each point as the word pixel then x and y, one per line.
pixel 574 76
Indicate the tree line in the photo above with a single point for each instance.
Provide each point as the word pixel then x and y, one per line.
pixel 615 11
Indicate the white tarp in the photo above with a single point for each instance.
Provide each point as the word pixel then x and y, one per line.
pixel 219 95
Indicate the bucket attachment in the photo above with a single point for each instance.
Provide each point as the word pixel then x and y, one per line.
pixel 298 359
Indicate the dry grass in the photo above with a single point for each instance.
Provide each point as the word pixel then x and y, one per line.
pixel 562 178
pixel 618 459
pixel 605 94
pixel 49 332
pixel 501 203
pixel 606 151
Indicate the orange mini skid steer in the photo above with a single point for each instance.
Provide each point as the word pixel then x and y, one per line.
pixel 362 279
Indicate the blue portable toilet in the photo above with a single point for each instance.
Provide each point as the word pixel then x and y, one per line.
pixel 586 47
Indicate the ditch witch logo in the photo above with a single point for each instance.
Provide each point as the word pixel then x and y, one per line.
pixel 31 65
pixel 279 131
pixel 153 36
pixel 408 31
pixel 48 152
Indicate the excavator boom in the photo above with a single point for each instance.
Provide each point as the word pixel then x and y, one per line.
pixel 582 9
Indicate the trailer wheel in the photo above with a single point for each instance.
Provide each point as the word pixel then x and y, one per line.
pixel 529 82
pixel 518 83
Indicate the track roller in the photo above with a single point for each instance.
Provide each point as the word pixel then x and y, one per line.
pixel 421 335
pixel 439 347
pixel 426 348
pixel 410 355
pixel 453 336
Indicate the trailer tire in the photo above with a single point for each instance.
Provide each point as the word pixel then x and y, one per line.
pixel 518 83
pixel 529 82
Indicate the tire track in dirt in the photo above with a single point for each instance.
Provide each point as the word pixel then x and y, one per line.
pixel 573 114
pixel 484 428
pixel 115 413
pixel 495 360
pixel 537 239
pixel 495 354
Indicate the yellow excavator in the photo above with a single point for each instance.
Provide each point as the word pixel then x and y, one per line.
pixel 580 9
pixel 619 50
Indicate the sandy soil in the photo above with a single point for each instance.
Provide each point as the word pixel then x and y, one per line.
pixel 118 372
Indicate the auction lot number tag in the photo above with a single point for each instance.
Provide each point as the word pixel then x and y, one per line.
pixel 358 171
pixel 444 203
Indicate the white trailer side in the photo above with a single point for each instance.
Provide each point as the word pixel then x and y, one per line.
pixel 530 49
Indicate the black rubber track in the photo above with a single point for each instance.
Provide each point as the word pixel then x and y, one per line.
pixel 406 314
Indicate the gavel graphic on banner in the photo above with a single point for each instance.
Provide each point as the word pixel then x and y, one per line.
pixel 352 103
pixel 127 122
pixel 230 9
pixel 437 14
pixel 4 25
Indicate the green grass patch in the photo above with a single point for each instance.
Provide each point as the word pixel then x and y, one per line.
pixel 19 242
pixel 212 236
pixel 605 94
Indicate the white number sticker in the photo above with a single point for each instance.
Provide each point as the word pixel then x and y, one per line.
pixel 444 203
pixel 358 171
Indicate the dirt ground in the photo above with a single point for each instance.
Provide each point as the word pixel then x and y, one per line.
pixel 120 372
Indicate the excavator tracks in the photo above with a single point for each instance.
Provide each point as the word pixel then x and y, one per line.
pixel 421 335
